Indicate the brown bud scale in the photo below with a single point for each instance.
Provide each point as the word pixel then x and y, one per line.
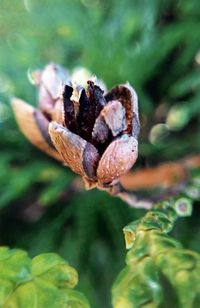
pixel 77 153
pixel 118 158
pixel 34 126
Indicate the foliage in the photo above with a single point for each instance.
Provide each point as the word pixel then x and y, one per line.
pixel 152 44
pixel 45 281
pixel 158 271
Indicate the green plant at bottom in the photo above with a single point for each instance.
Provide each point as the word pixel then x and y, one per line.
pixel 158 272
pixel 45 281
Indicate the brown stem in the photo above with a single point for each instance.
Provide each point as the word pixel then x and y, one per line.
pixel 168 176
pixel 164 175
pixel 130 198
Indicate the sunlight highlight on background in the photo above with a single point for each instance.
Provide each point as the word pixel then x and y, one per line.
pixel 6 85
pixel 28 5
pixel 80 75
pixel 177 117
pixel 158 133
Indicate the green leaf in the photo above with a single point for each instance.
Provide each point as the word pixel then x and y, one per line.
pixel 15 265
pixel 45 281
pixel 53 268
pixel 159 271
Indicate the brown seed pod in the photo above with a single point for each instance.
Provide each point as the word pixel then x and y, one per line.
pixel 34 126
pixel 78 154
pixel 117 159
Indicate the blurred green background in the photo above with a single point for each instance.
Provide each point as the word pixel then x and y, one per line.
pixel 155 45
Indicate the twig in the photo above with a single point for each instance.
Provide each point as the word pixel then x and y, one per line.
pixel 169 176
pixel 165 175
pixel 130 198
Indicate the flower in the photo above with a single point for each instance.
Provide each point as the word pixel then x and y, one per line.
pixel 92 133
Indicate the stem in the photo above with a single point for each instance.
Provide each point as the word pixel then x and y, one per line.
pixel 130 198
pixel 164 175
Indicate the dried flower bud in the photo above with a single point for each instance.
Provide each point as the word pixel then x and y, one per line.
pixel 92 133
pixel 50 82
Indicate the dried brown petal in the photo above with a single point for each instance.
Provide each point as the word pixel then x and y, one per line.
pixel 85 117
pixel 77 90
pixel 69 111
pixel 118 158
pixel 95 95
pixel 54 76
pixel 43 124
pixel 111 120
pixel 34 126
pixel 50 83
pixel 128 98
pixel 90 159
pixel 100 131
pixel 58 111
pixel 114 116
pixel 46 103
pixel 78 154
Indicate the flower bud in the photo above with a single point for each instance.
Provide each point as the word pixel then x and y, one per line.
pixel 92 133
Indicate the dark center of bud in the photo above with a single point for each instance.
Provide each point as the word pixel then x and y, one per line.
pixel 91 103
